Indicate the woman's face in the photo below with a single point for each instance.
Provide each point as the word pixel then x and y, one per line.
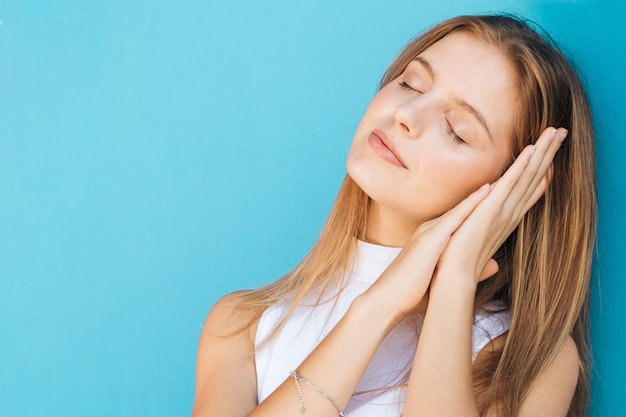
pixel 439 131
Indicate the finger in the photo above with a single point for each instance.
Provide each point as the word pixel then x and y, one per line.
pixel 507 181
pixel 536 195
pixel 491 268
pixel 454 217
pixel 520 187
pixel 534 164
pixel 544 172
pixel 440 229
pixel 534 171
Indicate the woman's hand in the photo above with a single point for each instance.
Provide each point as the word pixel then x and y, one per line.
pixel 405 282
pixel 476 240
pixel 465 238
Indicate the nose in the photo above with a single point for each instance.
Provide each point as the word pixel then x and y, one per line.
pixel 410 117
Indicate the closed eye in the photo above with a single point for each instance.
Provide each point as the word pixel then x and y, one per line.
pixel 404 85
pixel 454 136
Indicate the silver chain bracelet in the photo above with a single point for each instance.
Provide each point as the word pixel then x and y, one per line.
pixel 297 379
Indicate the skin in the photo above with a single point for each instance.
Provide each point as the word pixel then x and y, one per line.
pixel 454 227
pixel 440 171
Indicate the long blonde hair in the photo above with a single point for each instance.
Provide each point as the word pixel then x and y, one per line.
pixel 544 265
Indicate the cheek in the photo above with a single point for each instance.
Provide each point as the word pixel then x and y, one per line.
pixel 451 177
pixel 362 164
pixel 381 106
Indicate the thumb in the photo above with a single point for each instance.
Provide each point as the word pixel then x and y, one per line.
pixel 490 270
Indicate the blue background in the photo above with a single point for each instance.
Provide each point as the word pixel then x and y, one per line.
pixel 156 155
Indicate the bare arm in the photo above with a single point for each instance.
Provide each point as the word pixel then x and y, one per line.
pixel 336 365
pixel 442 371
pixel 553 391
pixel 226 379
pixel 441 378
pixel 225 374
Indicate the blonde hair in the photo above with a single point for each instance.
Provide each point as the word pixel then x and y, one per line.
pixel 544 265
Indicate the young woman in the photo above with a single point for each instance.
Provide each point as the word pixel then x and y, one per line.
pixel 451 277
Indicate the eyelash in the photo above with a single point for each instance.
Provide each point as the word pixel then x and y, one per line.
pixel 451 132
pixel 454 136
pixel 405 86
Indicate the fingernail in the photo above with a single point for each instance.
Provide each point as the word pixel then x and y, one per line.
pixel 562 134
pixel 552 135
pixel 484 187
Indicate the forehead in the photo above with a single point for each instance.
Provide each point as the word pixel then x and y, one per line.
pixel 478 73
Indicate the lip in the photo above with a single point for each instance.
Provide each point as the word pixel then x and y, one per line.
pixel 384 147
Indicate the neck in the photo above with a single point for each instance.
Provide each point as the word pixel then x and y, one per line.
pixel 388 227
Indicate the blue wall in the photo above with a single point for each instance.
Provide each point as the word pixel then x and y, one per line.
pixel 156 155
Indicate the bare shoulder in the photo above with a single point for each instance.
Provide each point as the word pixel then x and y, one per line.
pixel 225 373
pixel 553 391
pixel 222 319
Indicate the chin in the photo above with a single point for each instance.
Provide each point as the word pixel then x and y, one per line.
pixel 363 178
pixel 367 174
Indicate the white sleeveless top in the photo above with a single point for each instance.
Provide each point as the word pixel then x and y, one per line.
pixel 308 326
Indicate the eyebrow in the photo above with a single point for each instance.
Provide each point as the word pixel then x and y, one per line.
pixel 458 100
pixel 465 105
pixel 427 67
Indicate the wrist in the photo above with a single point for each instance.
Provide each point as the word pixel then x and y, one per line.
pixel 462 281
pixel 376 314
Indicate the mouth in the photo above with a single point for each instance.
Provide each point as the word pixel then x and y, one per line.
pixel 384 148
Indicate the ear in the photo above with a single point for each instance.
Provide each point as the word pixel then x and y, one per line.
pixel 491 268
